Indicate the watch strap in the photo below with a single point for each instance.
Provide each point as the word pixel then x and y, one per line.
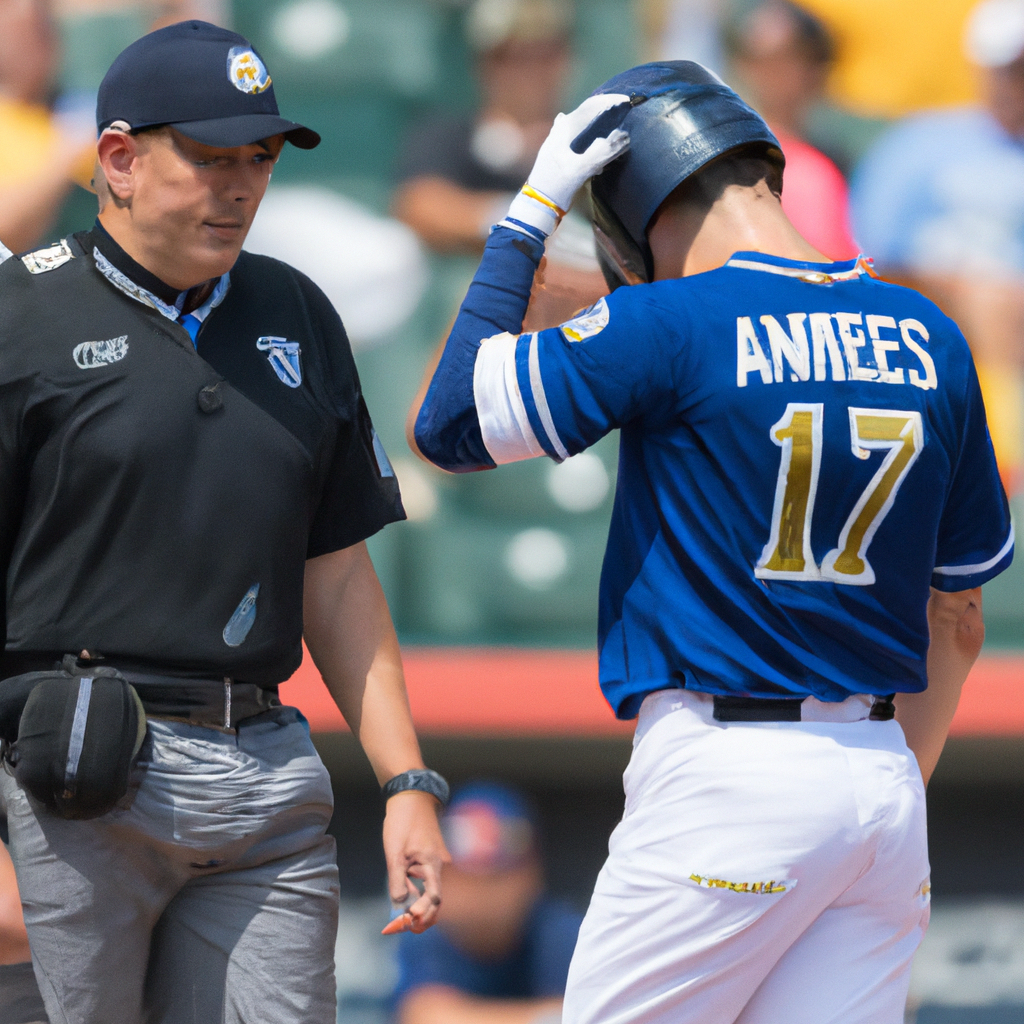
pixel 423 779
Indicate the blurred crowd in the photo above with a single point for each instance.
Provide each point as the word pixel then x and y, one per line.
pixel 902 122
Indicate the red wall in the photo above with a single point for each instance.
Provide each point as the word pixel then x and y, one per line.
pixel 509 692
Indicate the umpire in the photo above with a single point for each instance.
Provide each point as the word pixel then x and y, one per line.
pixel 188 474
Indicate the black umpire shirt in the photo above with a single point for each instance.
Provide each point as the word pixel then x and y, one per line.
pixel 158 500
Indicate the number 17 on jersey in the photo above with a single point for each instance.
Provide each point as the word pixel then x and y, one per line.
pixel 788 555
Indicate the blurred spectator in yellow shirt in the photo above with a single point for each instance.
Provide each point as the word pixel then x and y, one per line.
pixel 39 157
pixel 782 57
pixel 939 202
pixel 897 56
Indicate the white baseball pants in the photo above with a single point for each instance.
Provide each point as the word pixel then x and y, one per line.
pixel 762 872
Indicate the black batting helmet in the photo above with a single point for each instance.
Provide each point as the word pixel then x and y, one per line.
pixel 681 116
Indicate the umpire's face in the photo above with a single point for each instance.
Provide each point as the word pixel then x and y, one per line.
pixel 180 208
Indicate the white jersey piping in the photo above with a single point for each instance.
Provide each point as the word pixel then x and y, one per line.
pixel 807 274
pixel 541 400
pixel 504 423
pixel 970 570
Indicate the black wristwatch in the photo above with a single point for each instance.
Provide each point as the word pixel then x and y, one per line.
pixel 423 779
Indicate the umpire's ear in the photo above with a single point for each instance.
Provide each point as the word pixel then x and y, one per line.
pixel 117 151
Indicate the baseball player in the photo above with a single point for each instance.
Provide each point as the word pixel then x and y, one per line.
pixel 807 504
pixel 188 474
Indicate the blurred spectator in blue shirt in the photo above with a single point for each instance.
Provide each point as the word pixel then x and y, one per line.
pixel 501 949
pixel 939 203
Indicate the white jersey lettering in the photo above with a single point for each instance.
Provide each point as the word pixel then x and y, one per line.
pixel 853 339
pixel 839 349
pixel 793 349
pixel 882 346
pixel 930 379
pixel 749 354
pixel 823 339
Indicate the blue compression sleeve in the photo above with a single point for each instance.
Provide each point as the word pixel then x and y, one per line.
pixel 447 427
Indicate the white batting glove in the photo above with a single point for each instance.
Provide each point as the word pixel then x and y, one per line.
pixel 559 171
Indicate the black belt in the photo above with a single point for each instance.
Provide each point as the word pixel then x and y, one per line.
pixel 221 704
pixel 785 709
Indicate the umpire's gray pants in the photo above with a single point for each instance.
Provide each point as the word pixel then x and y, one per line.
pixel 211 899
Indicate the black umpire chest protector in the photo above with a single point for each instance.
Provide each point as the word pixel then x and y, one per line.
pixel 158 500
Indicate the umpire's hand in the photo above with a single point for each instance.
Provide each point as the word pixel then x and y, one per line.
pixel 414 850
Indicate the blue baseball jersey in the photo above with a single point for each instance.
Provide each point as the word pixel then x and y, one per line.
pixel 803 453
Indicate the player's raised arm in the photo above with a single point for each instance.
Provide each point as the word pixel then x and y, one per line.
pixel 447 426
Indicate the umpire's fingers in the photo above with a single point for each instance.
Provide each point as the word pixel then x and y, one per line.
pixel 423 913
pixel 414 849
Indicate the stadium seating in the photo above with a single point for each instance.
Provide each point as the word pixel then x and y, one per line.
pixel 361 72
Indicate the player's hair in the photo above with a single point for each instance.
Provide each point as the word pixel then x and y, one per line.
pixel 745 165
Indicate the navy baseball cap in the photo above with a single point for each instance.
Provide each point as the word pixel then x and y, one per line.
pixel 489 827
pixel 208 83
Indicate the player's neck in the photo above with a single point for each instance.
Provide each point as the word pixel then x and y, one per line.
pixel 687 239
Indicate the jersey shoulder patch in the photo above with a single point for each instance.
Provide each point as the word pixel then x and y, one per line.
pixel 44 260
pixel 592 320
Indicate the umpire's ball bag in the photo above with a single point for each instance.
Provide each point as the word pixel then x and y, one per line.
pixel 77 738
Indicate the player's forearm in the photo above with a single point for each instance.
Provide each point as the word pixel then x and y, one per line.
pixel 352 640
pixel 438 1004
pixel 957 634
pixel 447 429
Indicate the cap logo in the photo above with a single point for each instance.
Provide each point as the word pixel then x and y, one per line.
pixel 246 71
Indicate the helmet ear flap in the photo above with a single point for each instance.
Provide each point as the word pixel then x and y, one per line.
pixel 622 260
